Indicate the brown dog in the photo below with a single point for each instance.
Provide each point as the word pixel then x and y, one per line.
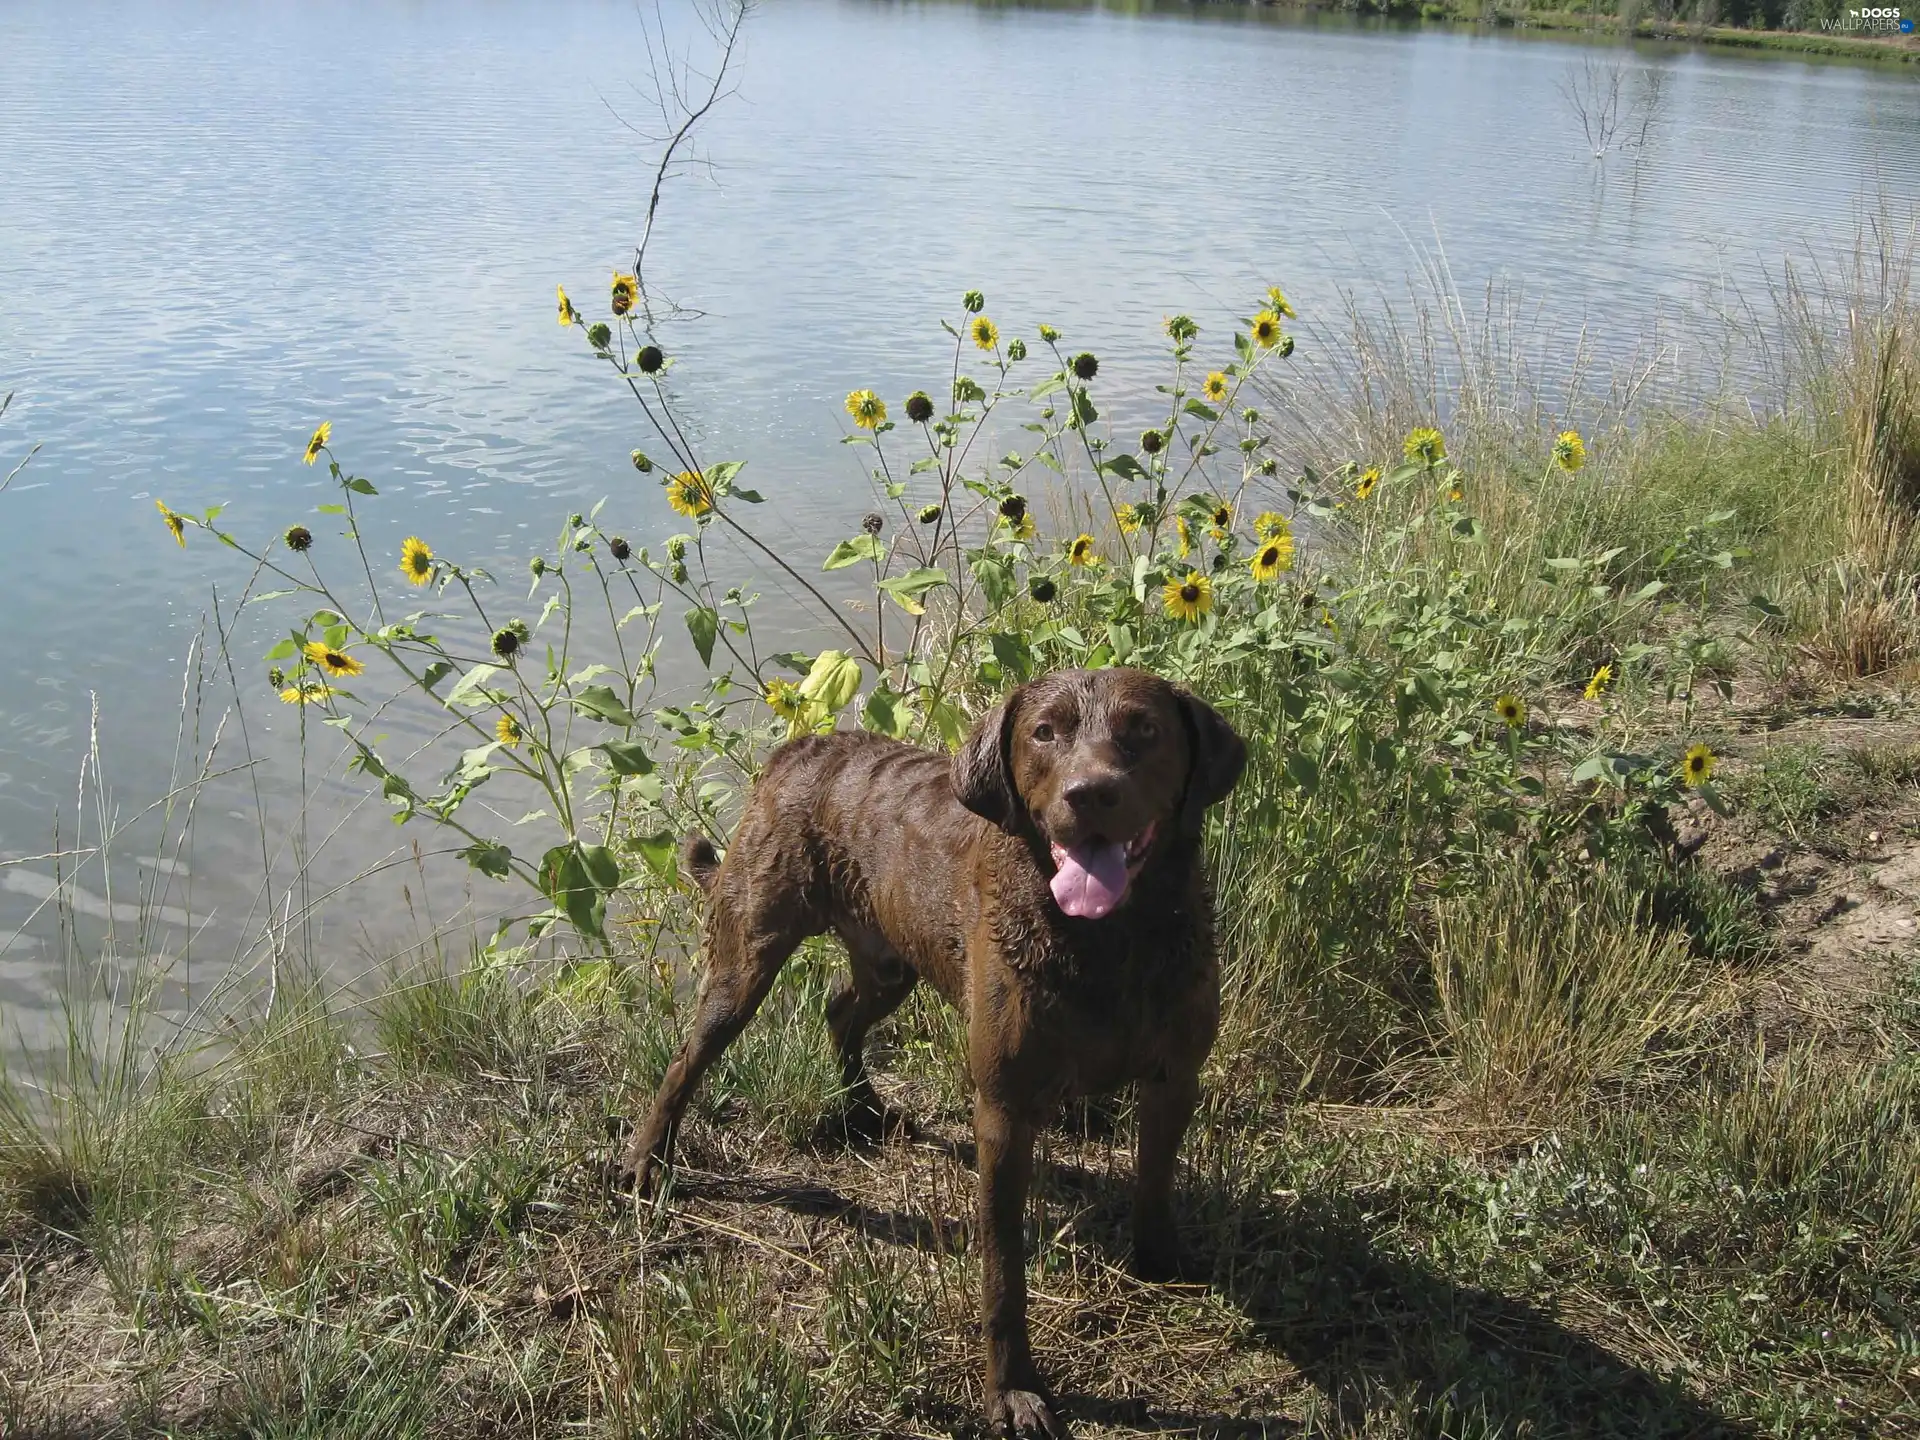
pixel 1046 880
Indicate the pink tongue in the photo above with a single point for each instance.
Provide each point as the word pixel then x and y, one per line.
pixel 1089 879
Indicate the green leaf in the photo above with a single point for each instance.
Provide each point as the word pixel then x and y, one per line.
pixel 601 703
pixel 851 552
pixel 1013 653
pixel 577 879
pixel 435 673
pixel 1202 409
pixel 626 757
pixel 489 859
pixel 950 720
pixel 886 713
pixel 1125 466
pixel 1304 771
pixel 1048 386
pixel 832 681
pixel 906 589
pixel 752 497
pixel 472 689
pixel 361 487
pixel 660 853
pixel 703 625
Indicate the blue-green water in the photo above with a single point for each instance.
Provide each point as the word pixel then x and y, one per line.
pixel 222 223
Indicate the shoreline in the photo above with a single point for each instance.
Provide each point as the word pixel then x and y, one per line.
pixel 1887 50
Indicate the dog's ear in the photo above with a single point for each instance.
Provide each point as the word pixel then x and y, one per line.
pixel 1218 757
pixel 982 767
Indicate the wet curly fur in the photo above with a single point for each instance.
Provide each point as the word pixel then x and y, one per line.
pixel 943 869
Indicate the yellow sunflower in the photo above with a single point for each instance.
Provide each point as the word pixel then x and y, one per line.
pixel 306 693
pixel 689 494
pixel 626 290
pixel 319 441
pixel 1569 450
pixel 1272 558
pixel 1425 445
pixel 1186 535
pixel 1127 518
pixel 1266 329
pixel 1369 478
pixel 508 729
pixel 1189 597
pixel 174 523
pixel 868 410
pixel 1080 552
pixel 1216 387
pixel 1277 302
pixel 985 333
pixel 416 560
pixel 1269 523
pixel 1221 519
pixel 1511 709
pixel 334 662
pixel 568 315
pixel 1456 492
pixel 783 697
pixel 1697 768
pixel 1602 678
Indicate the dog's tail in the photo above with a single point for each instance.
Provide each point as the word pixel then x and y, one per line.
pixel 699 860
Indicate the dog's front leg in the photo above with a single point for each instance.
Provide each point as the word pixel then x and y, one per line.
pixel 1016 1399
pixel 1165 1108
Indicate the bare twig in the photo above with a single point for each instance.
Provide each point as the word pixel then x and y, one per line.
pixel 683 94
pixel 1592 91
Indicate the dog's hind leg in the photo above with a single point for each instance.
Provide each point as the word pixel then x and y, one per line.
pixel 746 945
pixel 879 981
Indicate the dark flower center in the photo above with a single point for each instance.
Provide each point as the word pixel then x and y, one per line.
pixel 1190 592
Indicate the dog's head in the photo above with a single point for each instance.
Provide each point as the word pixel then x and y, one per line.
pixel 1105 768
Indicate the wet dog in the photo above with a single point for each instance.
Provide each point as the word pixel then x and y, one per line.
pixel 1046 880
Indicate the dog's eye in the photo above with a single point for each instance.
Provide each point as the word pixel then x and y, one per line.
pixel 1043 732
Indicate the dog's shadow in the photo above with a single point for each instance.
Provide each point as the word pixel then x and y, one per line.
pixel 1374 1331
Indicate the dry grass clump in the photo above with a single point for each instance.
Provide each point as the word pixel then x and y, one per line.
pixel 1547 997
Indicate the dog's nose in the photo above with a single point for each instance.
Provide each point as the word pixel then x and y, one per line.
pixel 1089 793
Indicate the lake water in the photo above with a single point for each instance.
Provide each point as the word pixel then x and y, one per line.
pixel 222 223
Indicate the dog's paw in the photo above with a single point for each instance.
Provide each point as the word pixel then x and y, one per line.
pixel 862 1124
pixel 1025 1415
